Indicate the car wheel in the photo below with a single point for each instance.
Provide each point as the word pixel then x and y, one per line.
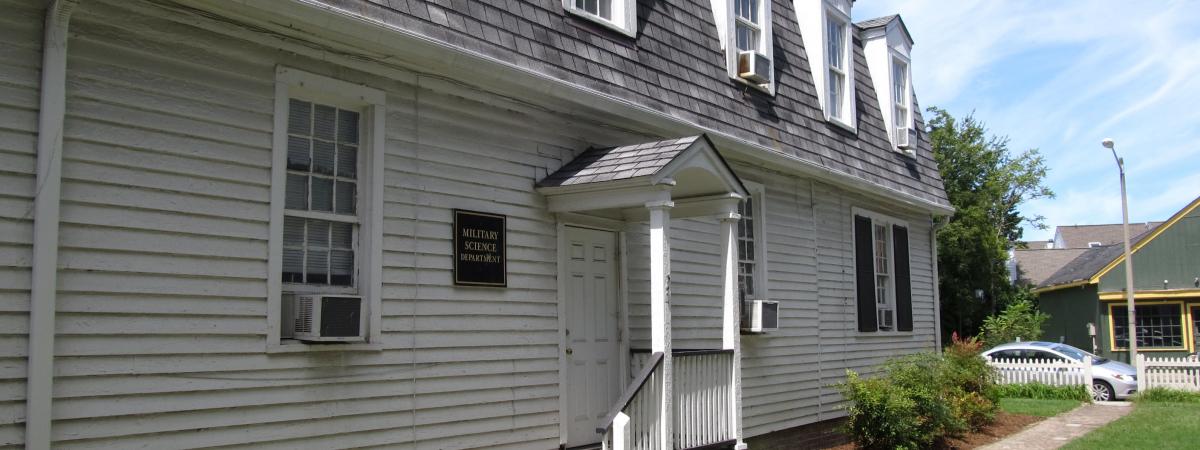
pixel 1101 391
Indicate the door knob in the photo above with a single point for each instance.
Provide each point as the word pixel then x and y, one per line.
pixel 570 352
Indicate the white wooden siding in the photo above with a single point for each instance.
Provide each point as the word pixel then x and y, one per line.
pixel 163 264
pixel 788 375
pixel 20 60
pixel 162 309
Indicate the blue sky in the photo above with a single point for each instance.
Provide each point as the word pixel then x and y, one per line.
pixel 1060 76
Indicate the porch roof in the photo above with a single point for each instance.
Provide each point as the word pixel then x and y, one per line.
pixel 687 169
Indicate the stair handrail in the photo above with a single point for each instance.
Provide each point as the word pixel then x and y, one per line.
pixel 634 388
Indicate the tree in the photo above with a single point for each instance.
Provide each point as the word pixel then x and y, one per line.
pixel 986 183
pixel 1020 320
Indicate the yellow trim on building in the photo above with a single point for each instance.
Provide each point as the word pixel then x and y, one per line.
pixel 1191 325
pixel 1138 295
pixel 1153 234
pixel 1062 286
pixel 1184 322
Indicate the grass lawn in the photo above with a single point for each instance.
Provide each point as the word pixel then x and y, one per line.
pixel 1159 426
pixel 1040 408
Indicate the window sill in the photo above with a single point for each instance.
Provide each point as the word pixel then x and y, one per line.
pixel 842 123
pixel 602 22
pixel 291 346
pixel 766 88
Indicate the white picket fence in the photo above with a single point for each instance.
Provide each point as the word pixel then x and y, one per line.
pixel 1045 371
pixel 1174 373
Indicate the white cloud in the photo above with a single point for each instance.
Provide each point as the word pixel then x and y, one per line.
pixel 1060 76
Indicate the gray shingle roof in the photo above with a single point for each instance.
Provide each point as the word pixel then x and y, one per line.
pixel 1091 261
pixel 1078 236
pixel 618 163
pixel 676 65
pixel 876 22
pixel 1037 265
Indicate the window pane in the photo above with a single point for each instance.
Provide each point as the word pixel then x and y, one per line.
pixel 296 194
pixel 341 268
pixel 343 236
pixel 293 232
pixel 324 122
pixel 605 9
pixel 298 158
pixel 318 234
pixel 299 117
pixel 347 127
pixel 323 157
pixel 347 161
pixel 836 48
pixel 835 94
pixel 322 194
pixel 899 80
pixel 293 265
pixel 317 267
pixel 344 202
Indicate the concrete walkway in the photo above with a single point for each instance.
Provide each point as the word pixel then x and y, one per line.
pixel 1057 431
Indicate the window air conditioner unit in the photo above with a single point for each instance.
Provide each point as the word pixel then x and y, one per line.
pixel 328 318
pixel 763 316
pixel 885 318
pixel 754 67
pixel 902 137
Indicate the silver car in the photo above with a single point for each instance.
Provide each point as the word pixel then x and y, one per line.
pixel 1110 379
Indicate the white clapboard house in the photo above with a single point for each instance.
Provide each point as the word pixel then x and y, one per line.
pixel 454 223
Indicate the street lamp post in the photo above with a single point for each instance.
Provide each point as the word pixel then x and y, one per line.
pixel 1132 327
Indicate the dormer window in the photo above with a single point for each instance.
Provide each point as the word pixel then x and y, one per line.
pixel 838 71
pixel 900 95
pixel 828 38
pixel 744 28
pixel 887 46
pixel 620 15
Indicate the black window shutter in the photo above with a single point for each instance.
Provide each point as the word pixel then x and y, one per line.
pixel 864 274
pixel 904 319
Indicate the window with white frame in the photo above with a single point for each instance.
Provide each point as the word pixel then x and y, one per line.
pixel 620 15
pixel 321 214
pixel 884 307
pixel 900 95
pixel 744 29
pixel 837 39
pixel 327 187
pixel 747 251
pixel 882 274
pixel 748 24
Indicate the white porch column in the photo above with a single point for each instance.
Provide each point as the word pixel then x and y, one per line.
pixel 731 323
pixel 660 308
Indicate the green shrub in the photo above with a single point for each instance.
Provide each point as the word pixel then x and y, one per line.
pixel 1021 319
pixel 882 416
pixel 920 399
pixel 1166 395
pixel 1039 391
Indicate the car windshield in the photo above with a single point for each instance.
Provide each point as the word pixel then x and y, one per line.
pixel 1077 354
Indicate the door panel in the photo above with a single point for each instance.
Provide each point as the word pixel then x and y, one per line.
pixel 593 344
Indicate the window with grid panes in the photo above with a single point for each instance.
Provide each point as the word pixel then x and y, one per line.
pixel 900 93
pixel 883 297
pixel 321 217
pixel 748 25
pixel 747 261
pixel 1158 326
pixel 837 64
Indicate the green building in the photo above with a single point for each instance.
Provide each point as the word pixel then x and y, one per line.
pixel 1086 297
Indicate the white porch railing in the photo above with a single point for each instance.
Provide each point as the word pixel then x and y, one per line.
pixel 1173 373
pixel 702 401
pixel 703 393
pixel 634 423
pixel 1045 371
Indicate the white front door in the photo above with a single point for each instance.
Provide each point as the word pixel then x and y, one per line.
pixel 592 334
